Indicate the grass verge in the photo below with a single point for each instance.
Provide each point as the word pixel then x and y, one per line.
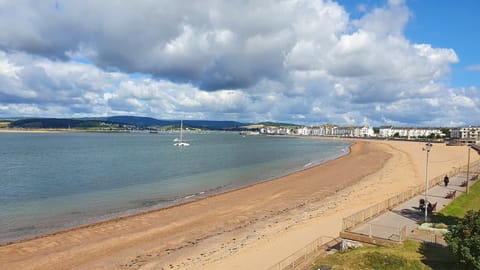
pixel 413 255
pixel 458 207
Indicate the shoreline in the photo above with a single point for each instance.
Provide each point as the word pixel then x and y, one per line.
pixel 178 202
pixel 189 199
pixel 404 170
pixel 255 226
pixel 60 244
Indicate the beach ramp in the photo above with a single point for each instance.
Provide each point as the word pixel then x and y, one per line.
pixel 392 221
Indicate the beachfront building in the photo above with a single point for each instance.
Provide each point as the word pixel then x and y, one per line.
pixel 334 130
pixel 352 131
pixel 466 135
pixel 366 131
pixel 304 131
pixel 323 130
pixel 409 132
pixel 274 130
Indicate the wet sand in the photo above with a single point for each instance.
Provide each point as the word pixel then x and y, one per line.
pixel 253 227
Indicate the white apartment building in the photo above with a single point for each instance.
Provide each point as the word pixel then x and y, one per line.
pixel 466 134
pixel 365 131
pixel 334 130
pixel 390 131
pixel 271 130
pixel 304 131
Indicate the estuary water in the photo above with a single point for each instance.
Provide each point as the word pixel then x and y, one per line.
pixel 54 181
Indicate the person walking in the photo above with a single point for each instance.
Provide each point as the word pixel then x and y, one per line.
pixel 446 180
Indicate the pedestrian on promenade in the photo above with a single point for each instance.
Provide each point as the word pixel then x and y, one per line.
pixel 446 180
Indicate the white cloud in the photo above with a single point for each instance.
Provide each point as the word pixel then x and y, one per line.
pixel 297 60
pixel 390 20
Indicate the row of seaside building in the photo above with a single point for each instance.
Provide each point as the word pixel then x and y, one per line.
pixel 461 134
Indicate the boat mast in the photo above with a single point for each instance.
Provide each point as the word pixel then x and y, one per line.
pixel 181 130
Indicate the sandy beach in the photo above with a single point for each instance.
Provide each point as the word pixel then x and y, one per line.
pixel 250 228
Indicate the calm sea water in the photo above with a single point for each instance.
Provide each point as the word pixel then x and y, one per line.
pixel 52 181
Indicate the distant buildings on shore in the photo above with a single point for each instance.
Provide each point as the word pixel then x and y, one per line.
pixel 460 135
pixel 334 130
pixel 405 132
pixel 466 135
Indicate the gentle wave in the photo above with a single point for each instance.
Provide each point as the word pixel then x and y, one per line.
pixel 55 181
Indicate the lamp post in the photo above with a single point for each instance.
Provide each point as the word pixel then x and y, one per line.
pixel 475 147
pixel 428 146
pixel 468 170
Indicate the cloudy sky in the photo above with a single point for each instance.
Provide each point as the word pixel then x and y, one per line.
pixel 404 63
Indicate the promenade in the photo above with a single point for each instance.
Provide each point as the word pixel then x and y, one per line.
pixel 388 224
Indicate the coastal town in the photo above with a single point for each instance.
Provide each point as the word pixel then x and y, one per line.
pixel 454 135
pixel 458 135
pixel 263 135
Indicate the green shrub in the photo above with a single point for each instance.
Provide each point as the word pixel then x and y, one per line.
pixel 464 240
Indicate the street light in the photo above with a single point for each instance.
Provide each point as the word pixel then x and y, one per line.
pixel 428 146
pixel 475 147
pixel 468 170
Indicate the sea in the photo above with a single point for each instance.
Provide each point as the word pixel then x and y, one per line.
pixel 54 181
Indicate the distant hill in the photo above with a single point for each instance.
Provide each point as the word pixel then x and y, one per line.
pixel 140 121
pixel 274 124
pixel 54 123
pixel 137 121
pixel 215 125
pixel 150 122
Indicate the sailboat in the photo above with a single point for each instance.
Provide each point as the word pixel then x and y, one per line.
pixel 180 142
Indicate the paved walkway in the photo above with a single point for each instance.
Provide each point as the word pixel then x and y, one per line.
pixel 388 224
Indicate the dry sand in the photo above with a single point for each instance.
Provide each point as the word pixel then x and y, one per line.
pixel 251 228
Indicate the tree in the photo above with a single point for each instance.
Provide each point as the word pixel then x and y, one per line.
pixel 446 131
pixel 464 240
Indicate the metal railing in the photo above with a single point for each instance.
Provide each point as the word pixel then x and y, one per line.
pixel 381 207
pixel 304 254
pixel 429 238
pixel 396 234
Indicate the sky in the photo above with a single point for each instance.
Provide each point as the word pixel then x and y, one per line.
pixel 375 62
